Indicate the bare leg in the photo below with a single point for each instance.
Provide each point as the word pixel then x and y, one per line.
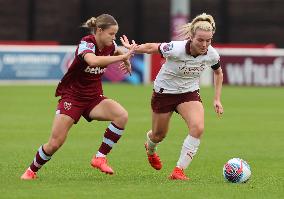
pixel 61 125
pixel 108 110
pixel 60 128
pixel 160 126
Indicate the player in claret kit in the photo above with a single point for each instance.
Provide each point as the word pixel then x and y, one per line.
pixel 176 88
pixel 81 94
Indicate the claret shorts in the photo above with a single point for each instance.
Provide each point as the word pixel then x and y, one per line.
pixel 164 103
pixel 76 108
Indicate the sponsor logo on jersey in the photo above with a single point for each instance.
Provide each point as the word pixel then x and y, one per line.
pixel 168 47
pixel 96 70
pixel 188 70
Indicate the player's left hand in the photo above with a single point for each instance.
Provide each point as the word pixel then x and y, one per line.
pixel 218 108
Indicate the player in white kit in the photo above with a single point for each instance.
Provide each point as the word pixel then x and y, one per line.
pixel 176 88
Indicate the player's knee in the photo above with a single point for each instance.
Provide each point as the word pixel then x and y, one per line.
pixel 124 116
pixel 121 119
pixel 197 130
pixel 54 145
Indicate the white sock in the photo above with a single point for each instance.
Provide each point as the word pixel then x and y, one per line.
pixel 100 155
pixel 188 150
pixel 151 146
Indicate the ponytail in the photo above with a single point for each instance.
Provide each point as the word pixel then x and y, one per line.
pixel 203 22
pixel 103 21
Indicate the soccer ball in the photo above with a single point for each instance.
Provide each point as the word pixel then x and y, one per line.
pixel 236 170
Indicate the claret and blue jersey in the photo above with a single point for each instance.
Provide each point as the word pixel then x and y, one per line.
pixel 81 80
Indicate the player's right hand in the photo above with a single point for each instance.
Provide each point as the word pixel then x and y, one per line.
pixel 125 42
pixel 218 108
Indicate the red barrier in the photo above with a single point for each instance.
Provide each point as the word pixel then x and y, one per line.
pixel 156 63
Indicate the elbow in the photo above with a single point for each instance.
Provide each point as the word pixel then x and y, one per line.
pixel 218 76
pixel 93 64
pixel 98 62
pixel 219 73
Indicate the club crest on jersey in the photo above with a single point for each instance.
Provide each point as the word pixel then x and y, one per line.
pixel 168 47
pixel 67 105
pixel 90 45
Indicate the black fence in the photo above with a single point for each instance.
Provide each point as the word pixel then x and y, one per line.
pixel 238 21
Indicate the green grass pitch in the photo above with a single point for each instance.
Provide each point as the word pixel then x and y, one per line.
pixel 251 128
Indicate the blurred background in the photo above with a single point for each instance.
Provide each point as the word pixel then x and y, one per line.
pixel 249 36
pixel 238 21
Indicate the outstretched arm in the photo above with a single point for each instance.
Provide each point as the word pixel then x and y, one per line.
pixel 218 80
pixel 148 48
pixel 104 61
pixel 142 48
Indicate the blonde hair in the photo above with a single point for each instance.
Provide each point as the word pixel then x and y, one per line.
pixel 103 21
pixel 202 21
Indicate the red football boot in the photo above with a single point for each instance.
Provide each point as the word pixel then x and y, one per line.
pixel 178 174
pixel 154 159
pixel 29 175
pixel 101 164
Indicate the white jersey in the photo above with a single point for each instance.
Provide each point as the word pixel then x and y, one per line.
pixel 181 71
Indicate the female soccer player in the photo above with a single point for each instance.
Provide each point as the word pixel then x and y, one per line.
pixel 82 95
pixel 176 88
